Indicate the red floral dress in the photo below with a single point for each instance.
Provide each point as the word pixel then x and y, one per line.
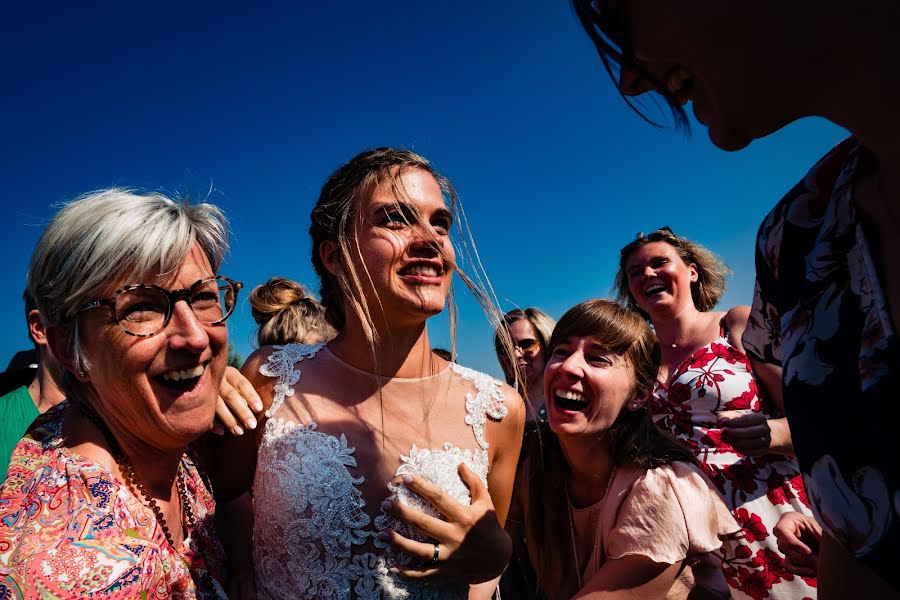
pixel 759 490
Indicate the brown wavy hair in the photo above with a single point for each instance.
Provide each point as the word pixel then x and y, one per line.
pixel 633 439
pixel 711 271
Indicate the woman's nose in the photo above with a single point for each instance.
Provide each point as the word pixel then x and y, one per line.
pixel 184 329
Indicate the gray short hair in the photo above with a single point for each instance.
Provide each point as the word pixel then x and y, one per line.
pixel 103 239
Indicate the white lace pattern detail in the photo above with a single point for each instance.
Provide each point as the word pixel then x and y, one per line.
pixel 488 402
pixel 310 523
pixel 280 364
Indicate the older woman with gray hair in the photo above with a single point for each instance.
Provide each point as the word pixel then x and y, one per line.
pixel 102 497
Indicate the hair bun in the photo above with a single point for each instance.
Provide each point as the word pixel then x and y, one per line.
pixel 274 296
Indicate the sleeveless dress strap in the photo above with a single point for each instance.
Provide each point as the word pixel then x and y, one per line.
pixel 280 364
pixel 488 402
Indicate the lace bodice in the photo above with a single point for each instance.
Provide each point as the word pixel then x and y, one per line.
pixel 313 537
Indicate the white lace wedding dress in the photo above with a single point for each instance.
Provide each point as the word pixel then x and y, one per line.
pixel 315 535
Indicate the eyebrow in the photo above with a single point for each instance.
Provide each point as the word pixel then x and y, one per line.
pixel 411 210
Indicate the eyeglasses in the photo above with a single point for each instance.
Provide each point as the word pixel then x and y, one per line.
pixel 144 309
pixel 528 345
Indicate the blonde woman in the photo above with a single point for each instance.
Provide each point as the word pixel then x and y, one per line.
pixel 529 330
pixel 708 396
pixel 287 313
pixel 369 429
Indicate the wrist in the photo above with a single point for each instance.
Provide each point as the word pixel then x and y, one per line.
pixel 781 437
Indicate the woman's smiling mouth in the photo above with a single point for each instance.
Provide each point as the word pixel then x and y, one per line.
pixel 570 400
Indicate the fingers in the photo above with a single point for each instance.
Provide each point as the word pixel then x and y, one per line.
pixel 803 569
pixel 225 420
pixel 476 487
pixel 735 420
pixel 430 526
pixel 421 552
pixel 233 408
pixel 452 510
pixel 749 434
pixel 416 573
pixel 244 388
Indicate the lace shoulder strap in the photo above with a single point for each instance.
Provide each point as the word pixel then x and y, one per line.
pixel 488 402
pixel 280 364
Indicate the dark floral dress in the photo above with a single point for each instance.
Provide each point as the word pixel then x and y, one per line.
pixel 758 490
pixel 819 311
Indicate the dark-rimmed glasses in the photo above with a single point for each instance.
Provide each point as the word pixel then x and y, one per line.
pixel 144 309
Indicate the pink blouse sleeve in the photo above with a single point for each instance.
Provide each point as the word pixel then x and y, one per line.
pixel 671 512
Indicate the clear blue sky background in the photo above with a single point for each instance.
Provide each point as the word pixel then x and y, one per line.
pixel 260 103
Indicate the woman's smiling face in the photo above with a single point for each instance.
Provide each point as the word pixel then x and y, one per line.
pixel 162 388
pixel 403 245
pixel 658 278
pixel 586 387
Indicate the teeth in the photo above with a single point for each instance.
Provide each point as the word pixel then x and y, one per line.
pixel 571 395
pixel 658 287
pixel 185 374
pixel 424 270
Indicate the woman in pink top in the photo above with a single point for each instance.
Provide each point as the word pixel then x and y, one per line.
pixel 611 506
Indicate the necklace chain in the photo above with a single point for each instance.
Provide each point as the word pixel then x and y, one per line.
pixel 122 460
pixel 572 524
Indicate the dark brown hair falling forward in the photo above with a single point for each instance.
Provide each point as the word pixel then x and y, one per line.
pixel 617 55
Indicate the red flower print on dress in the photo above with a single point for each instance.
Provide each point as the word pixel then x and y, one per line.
pixel 780 491
pixel 743 552
pixel 679 393
pixel 758 490
pixel 753 527
pixel 800 488
pixel 749 400
pixel 743 476
pixel 713 439
pixel 754 583
pixel 773 565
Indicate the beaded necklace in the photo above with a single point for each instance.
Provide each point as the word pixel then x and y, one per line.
pixel 128 470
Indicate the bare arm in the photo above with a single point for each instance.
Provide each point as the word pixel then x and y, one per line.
pixel 233 463
pixel 506 437
pixel 629 578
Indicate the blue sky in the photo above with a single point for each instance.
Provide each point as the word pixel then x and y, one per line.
pixel 258 104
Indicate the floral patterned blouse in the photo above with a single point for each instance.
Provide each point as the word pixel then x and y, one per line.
pixel 820 313
pixel 70 529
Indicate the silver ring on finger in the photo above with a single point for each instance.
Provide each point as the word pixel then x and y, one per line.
pixel 437 553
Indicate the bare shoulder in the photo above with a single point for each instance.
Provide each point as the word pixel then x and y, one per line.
pixel 251 371
pixel 736 321
pixel 509 429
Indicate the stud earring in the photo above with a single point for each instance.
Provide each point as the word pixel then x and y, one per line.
pixel 82 374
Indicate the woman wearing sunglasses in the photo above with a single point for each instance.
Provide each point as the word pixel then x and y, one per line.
pixel 102 497
pixel 709 398
pixel 529 330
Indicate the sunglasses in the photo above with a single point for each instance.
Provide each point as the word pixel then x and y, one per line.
pixel 528 345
